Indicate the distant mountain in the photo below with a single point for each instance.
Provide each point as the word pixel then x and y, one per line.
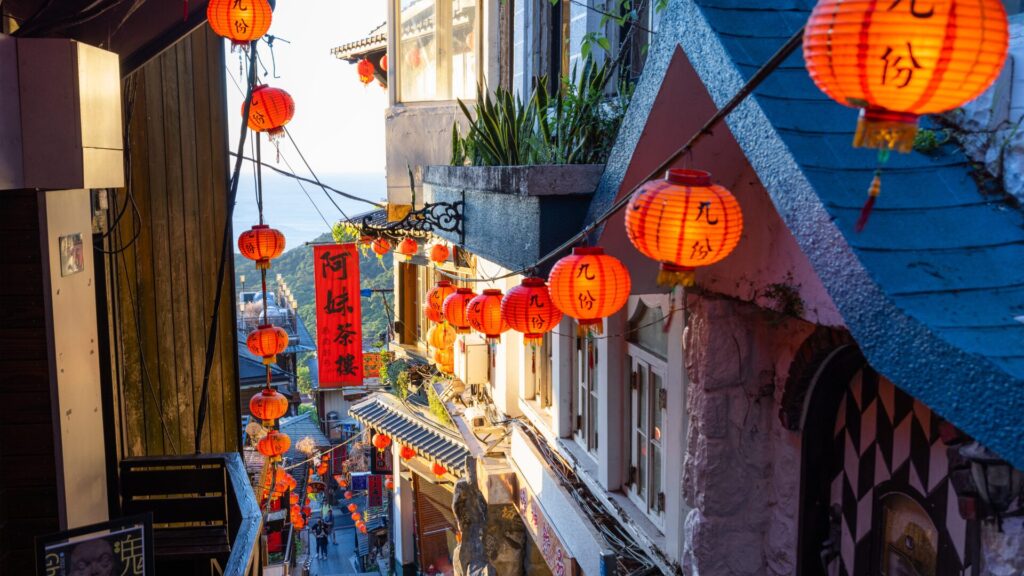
pixel 296 267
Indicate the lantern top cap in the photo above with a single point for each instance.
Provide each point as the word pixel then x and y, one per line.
pixel 588 251
pixel 492 292
pixel 260 227
pixel 270 392
pixel 687 177
pixel 444 283
pixel 465 291
pixel 533 282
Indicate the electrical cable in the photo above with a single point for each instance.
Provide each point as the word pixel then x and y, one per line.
pixel 310 168
pixel 292 174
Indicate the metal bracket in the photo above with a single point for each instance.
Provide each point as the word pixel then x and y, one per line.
pixel 431 219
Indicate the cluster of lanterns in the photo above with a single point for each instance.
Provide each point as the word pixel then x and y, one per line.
pixel 407 248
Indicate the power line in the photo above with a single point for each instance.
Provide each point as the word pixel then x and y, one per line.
pixel 292 174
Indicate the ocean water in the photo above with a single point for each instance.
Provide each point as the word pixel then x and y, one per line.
pixel 288 209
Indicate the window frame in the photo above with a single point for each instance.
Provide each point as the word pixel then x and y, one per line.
pixel 650 501
pixel 586 400
pixel 478 51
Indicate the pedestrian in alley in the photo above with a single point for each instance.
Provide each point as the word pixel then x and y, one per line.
pixel 320 533
pixel 329 522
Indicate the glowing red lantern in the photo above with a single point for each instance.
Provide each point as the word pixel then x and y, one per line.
pixel 268 405
pixel 321 469
pixel 384 63
pixel 484 314
pixel 898 60
pixel 365 69
pixel 439 470
pixel 261 244
pixel 439 253
pixel 241 22
pixel 683 222
pixel 267 341
pixel 274 445
pixel 356 516
pixel 408 248
pixel 270 110
pixel 407 453
pixel 299 523
pixel 389 484
pixel 589 285
pixel 381 246
pixel 381 441
pixel 437 295
pixel 431 314
pixel 528 309
pixel 455 309
pixel 353 507
pixel 348 495
pixel 294 500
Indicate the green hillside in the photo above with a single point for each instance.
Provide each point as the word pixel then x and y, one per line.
pixel 296 266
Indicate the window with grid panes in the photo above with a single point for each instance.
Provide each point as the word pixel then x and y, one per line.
pixel 647 352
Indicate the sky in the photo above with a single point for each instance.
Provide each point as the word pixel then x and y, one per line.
pixel 338 122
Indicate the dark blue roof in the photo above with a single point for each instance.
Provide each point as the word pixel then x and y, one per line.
pixel 931 287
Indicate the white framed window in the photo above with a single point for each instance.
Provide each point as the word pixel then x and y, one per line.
pixel 537 373
pixel 439 49
pixel 647 366
pixel 585 399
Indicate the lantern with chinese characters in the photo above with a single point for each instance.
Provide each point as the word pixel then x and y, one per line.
pixel 261 244
pixel 439 253
pixel 431 314
pixel 438 469
pixel 240 21
pixel 484 314
pixel 441 335
pixel 268 405
pixel 353 507
pixel 683 222
pixel 437 295
pixel 365 70
pixel 445 359
pixel 589 285
pixel 455 309
pixel 270 110
pixel 407 453
pixel 267 341
pixel 381 246
pixel 274 445
pixel 897 60
pixel 408 248
pixel 381 441
pixel 528 309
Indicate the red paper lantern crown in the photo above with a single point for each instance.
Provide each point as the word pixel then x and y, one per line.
pixel 589 285
pixel 455 309
pixel 239 21
pixel 683 222
pixel 528 309
pixel 484 314
pixel 268 405
pixel 261 244
pixel 381 246
pixel 267 341
pixel 270 110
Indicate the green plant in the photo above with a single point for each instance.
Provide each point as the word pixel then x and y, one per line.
pixel 436 406
pixel 304 382
pixel 928 141
pixel 311 409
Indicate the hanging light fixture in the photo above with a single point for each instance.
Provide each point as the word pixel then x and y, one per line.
pixel 267 341
pixel 274 445
pixel 241 22
pixel 439 253
pixel 437 295
pixel 381 441
pixel 268 405
pixel 445 359
pixel 454 309
pixel 408 248
pixel 381 246
pixel 683 221
pixel 384 63
pixel 270 110
pixel 356 516
pixel 528 309
pixel 365 69
pixel 407 453
pixel 261 244
pixel 484 314
pixel 589 286
pixel 352 507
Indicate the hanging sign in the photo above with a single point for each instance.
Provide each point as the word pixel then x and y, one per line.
pixel 381 461
pixel 375 491
pixel 338 315
pixel 123 546
pixel 373 362
pixel 543 532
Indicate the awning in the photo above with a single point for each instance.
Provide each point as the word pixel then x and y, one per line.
pixel 407 426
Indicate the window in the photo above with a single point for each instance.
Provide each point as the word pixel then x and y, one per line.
pixel 637 35
pixel 538 373
pixel 586 399
pixel 439 49
pixel 647 349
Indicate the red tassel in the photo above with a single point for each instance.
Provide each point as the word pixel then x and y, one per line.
pixel 869 205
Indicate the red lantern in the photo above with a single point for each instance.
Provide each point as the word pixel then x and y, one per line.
pixel 343 483
pixel 407 453
pixel 431 314
pixel 348 495
pixel 240 22
pixel 683 222
pixel 437 295
pixel 381 246
pixel 381 441
pixel 441 335
pixel 439 253
pixel 484 314
pixel 408 248
pixel 365 69
pixel 589 285
pixel 267 341
pixel 389 484
pixel 299 523
pixel 274 445
pixel 898 60
pixel 384 63
pixel 268 405
pixel 262 244
pixel 270 110
pixel 455 309
pixel 325 458
pixel 439 470
pixel 294 500
pixel 306 510
pixel 321 469
pixel 356 516
pixel 362 529
pixel 528 309
pixel 353 507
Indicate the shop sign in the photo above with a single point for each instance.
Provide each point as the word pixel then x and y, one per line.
pixel 543 533
pixel 122 547
pixel 338 315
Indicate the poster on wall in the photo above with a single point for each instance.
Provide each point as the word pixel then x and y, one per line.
pixel 339 324
pixel 121 547
pixel 375 490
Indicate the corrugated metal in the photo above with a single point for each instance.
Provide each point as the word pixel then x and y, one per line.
pixel 434 521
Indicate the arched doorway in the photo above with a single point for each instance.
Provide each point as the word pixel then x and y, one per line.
pixel 876 497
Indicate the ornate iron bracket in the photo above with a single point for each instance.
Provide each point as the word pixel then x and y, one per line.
pixel 431 219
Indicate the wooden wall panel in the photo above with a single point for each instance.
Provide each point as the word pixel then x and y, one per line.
pixel 179 168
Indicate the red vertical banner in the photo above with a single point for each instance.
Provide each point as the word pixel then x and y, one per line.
pixel 375 491
pixel 339 324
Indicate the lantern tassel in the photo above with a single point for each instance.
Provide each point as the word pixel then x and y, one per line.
pixel 587 329
pixel 873 191
pixel 672 275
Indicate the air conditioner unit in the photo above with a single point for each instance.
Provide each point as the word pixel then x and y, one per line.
pixel 471 358
pixel 60 115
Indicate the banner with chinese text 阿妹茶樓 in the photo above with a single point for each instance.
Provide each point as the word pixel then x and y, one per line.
pixel 338 315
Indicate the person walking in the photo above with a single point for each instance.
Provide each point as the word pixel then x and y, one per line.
pixel 320 533
pixel 329 521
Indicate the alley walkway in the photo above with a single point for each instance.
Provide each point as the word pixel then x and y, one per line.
pixel 341 556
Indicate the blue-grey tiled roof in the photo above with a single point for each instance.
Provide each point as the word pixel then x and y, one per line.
pixel 931 287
